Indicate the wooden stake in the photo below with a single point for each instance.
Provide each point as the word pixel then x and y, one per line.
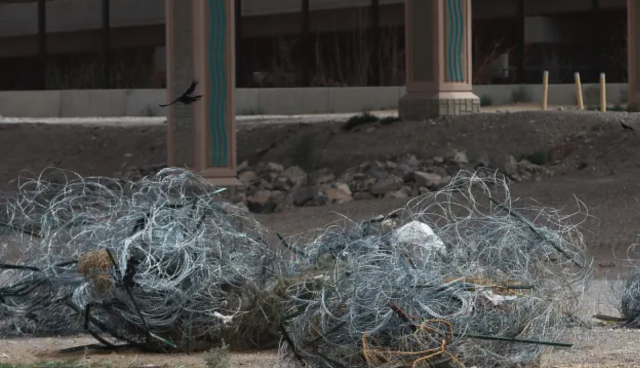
pixel 603 93
pixel 545 89
pixel 579 91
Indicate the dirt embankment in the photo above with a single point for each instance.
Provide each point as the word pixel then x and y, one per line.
pixel 575 140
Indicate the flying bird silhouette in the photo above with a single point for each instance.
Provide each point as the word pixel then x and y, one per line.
pixel 186 97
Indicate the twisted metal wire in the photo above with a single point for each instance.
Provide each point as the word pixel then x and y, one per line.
pixel 364 299
pixel 165 262
pixel 628 289
pixel 164 256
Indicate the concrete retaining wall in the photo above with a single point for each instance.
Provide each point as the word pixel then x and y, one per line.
pixel 280 101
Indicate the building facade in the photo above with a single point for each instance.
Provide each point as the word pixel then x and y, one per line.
pixel 287 43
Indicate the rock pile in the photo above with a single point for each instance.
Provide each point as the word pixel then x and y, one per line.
pixel 273 188
pixel 270 187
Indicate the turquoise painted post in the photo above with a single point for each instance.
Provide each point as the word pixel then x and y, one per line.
pixel 454 33
pixel 218 78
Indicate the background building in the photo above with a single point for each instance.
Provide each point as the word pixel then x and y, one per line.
pixel 74 44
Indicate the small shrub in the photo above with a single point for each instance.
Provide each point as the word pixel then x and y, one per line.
pixel 520 94
pixel 358 120
pixel 302 151
pixel 389 120
pixel 540 157
pixel 219 357
pixel 486 100
pixel 251 112
pixel 617 107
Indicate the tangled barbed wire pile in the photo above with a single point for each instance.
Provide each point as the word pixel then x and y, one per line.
pixel 459 276
pixel 159 264
pixel 486 287
pixel 629 292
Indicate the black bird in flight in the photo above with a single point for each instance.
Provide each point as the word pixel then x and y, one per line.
pixel 186 97
pixel 625 126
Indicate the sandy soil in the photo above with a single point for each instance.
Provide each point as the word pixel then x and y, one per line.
pixel 33 351
pixel 595 160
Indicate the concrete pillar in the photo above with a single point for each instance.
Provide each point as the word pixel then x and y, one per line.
pixel 633 50
pixel 438 59
pixel 200 45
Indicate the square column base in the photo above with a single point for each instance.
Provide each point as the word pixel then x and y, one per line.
pixel 427 105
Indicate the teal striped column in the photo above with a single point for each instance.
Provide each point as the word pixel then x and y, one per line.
pixel 218 73
pixel 455 28
pixel 438 54
pixel 201 46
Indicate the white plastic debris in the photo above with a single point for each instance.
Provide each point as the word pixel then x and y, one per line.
pixel 498 299
pixel 225 319
pixel 418 234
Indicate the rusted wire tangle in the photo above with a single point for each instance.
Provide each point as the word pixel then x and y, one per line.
pixel 426 333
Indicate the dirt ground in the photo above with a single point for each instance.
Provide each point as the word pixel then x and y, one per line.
pixel 572 138
pixel 592 157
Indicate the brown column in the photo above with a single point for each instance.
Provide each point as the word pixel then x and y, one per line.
pixel 200 45
pixel 438 57
pixel 633 29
